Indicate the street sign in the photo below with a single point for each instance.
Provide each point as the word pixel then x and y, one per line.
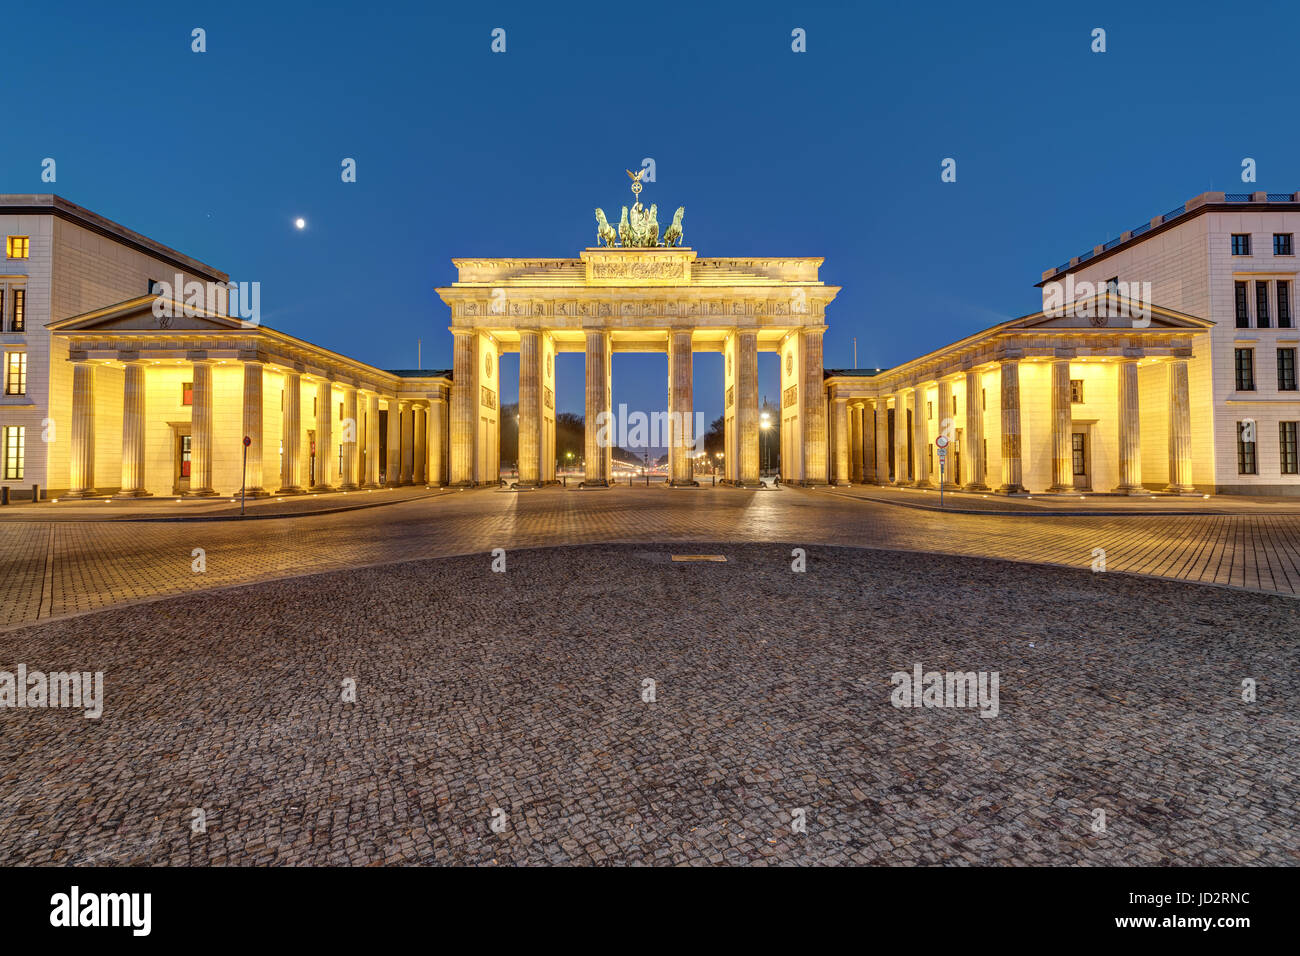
pixel 941 442
pixel 247 441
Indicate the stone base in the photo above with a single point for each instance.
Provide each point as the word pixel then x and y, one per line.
pixel 1060 490
pixel 254 493
pixel 1011 490
pixel 525 485
pixel 1131 490
pixel 737 483
pixel 291 490
pixel 134 494
pixel 75 495
pixel 348 487
pixel 974 486
pixel 594 483
pixel 1181 490
pixel 201 493
pixel 691 483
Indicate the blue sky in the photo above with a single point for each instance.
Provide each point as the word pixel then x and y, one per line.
pixel 834 152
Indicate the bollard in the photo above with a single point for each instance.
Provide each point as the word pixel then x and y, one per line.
pixel 36 493
pixel 4 495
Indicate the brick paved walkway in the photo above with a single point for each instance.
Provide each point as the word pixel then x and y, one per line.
pixel 522 693
pixel 53 568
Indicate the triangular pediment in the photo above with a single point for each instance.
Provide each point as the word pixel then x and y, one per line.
pixel 149 313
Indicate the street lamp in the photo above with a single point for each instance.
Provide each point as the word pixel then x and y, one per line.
pixel 765 423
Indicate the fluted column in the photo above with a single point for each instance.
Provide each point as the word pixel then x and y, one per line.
pixel 747 421
pixel 420 430
pixel 464 402
pixel 1062 419
pixel 325 449
pixel 406 464
pixel 349 438
pixel 973 442
pixel 201 431
pixel 882 441
pixel 920 439
pixel 530 407
pixel 681 408
pixel 812 409
pixel 943 413
pixel 1012 474
pixel 902 463
pixel 291 435
pixel 1180 430
pixel 82 463
pixel 133 419
pixel 1130 440
pixel 252 426
pixel 372 439
pixel 393 458
pixel 437 475
pixel 867 440
pixel 855 444
pixel 840 421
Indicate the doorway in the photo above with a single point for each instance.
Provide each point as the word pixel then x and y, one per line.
pixel 1080 453
pixel 182 458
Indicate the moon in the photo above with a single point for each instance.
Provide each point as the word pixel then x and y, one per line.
pixel 300 223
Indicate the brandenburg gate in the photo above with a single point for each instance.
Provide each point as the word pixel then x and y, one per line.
pixel 640 295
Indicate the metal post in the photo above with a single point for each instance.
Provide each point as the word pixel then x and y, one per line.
pixel 243 480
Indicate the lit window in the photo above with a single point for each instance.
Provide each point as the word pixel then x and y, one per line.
pixel 1240 245
pixel 16 247
pixel 15 453
pixel 16 373
pixel 18 316
pixel 187 393
pixel 1076 391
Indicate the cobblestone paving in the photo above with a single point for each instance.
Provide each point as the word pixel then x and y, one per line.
pixel 54 568
pixel 522 692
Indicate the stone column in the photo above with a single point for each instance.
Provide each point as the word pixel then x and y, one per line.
pixel 901 431
pixel 681 408
pixel 920 438
pixel 747 422
pixel 1180 430
pixel 882 441
pixel 530 407
pixel 372 439
pixel 973 441
pixel 840 420
pixel 595 454
pixel 437 438
pixel 1130 440
pixel 291 432
pixel 1012 474
pixel 350 479
pixel 867 441
pixel 1062 418
pixel 325 451
pixel 252 425
pixel 406 464
pixel 393 462
pixel 943 414
pixel 82 462
pixel 133 420
pixel 420 430
pixel 812 409
pixel 201 430
pixel 855 444
pixel 464 405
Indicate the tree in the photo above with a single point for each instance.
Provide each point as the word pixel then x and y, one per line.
pixel 715 439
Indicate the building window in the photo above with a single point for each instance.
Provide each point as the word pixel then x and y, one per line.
pixel 1245 369
pixel 954 405
pixel 187 393
pixel 1287 433
pixel 15 452
pixel 1240 244
pixel 929 411
pixel 18 318
pixel 984 442
pixel 1243 317
pixel 984 398
pixel 1284 305
pixel 16 373
pixel 186 455
pixel 1282 244
pixel 1286 370
pixel 1076 391
pixel 16 247
pixel 1245 450
pixel 1261 305
pixel 153 287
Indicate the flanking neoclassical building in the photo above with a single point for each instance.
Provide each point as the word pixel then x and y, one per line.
pixel 116 384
